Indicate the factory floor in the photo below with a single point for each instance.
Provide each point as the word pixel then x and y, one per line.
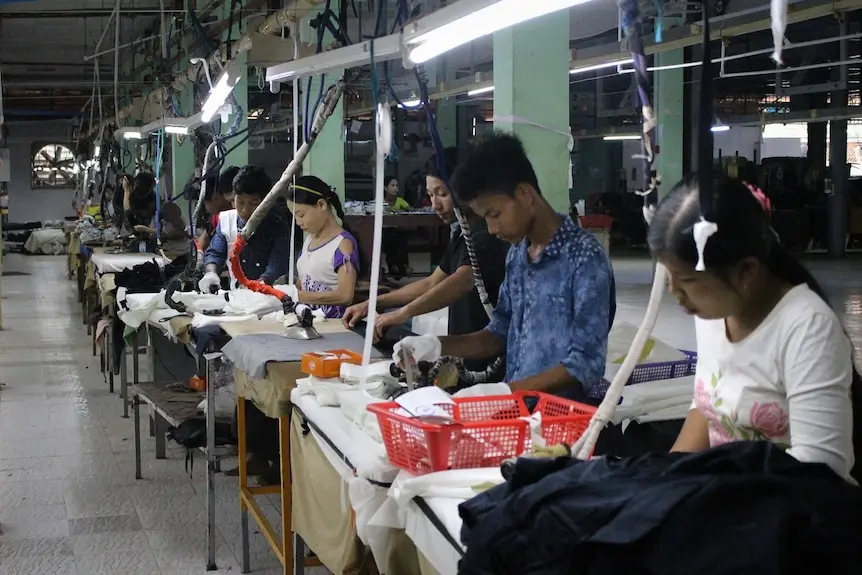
pixel 69 502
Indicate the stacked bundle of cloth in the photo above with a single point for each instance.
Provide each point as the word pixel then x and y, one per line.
pixel 742 508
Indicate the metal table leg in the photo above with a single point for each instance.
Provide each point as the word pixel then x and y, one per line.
pixel 243 481
pixel 124 382
pixel 211 359
pixel 299 551
pixel 161 440
pixel 136 403
pixel 109 359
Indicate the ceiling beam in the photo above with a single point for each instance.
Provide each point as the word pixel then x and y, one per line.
pixel 39 14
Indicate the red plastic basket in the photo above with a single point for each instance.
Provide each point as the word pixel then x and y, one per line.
pixel 487 430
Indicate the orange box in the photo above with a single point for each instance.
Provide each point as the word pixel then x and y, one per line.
pixel 321 364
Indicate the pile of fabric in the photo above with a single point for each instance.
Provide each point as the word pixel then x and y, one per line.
pixel 742 508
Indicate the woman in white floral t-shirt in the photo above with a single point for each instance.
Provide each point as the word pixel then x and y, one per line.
pixel 773 360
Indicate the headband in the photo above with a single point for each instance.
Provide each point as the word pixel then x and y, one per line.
pixel 705 227
pixel 309 190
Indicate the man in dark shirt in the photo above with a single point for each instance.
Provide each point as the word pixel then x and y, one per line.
pixel 452 283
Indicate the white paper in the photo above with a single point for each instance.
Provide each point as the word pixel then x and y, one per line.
pixel 425 402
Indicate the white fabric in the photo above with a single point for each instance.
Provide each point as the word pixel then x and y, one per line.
pixel 788 381
pixel 443 492
pixel 418 347
pixel 315 267
pixel 209 281
pixel 663 400
pixel 113 263
pixel 291 292
pixel 51 242
pixel 432 323
pixel 227 221
pixel 369 460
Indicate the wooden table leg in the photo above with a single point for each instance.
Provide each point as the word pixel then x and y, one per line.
pixel 286 503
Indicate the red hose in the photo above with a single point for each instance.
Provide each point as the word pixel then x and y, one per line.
pixel 253 285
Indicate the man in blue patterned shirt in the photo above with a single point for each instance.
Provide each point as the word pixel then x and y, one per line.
pixel 557 302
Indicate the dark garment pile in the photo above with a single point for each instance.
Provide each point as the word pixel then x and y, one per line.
pixel 147 277
pixel 742 508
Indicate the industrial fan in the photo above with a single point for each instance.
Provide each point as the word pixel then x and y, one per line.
pixel 54 166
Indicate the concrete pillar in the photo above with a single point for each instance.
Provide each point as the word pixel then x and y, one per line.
pixel 326 160
pixel 447 121
pixel 837 200
pixel 531 83
pixel 669 101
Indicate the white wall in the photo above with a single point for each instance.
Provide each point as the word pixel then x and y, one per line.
pixel 739 140
pixel 26 204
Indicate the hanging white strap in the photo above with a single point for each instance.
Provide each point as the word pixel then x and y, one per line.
pixel 384 144
pixel 778 15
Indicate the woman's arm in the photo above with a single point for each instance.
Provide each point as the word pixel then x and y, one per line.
pixel 818 374
pixel 343 294
pixel 694 435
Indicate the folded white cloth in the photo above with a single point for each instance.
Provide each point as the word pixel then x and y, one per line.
pixel 418 348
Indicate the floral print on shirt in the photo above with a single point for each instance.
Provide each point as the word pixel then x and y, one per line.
pixel 760 421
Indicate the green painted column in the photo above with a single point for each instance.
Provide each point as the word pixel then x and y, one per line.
pixel 447 121
pixel 239 156
pixel 669 101
pixel 326 160
pixel 531 84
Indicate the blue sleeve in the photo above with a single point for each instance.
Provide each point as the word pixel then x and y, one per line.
pixel 278 263
pixel 217 250
pixel 588 347
pixel 502 316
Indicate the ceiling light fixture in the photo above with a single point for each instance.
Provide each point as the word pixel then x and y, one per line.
pixel 177 130
pixel 619 137
pixel 468 20
pixel 480 91
pixel 133 136
pixel 594 67
pixel 219 93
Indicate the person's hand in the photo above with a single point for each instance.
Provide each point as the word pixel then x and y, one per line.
pixel 144 230
pixel 354 314
pixel 387 320
pixel 416 348
pixel 210 283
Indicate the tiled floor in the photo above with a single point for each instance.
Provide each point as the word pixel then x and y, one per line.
pixel 69 503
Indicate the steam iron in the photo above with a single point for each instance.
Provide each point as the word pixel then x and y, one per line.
pixel 303 329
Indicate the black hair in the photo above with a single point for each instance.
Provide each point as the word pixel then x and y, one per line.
pixel 308 190
pixel 496 164
pixel 143 192
pixel 434 168
pixel 387 180
pixel 221 184
pixel 251 180
pixel 744 228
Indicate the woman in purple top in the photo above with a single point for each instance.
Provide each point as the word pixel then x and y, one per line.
pixel 328 266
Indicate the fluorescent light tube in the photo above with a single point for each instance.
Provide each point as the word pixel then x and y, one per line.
pixel 720 128
pixel 618 137
pixel 595 67
pixel 97 151
pixel 219 93
pixel 480 91
pixel 411 103
pixel 133 135
pixel 179 130
pixel 478 23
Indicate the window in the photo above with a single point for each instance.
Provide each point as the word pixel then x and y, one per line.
pixel 52 166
